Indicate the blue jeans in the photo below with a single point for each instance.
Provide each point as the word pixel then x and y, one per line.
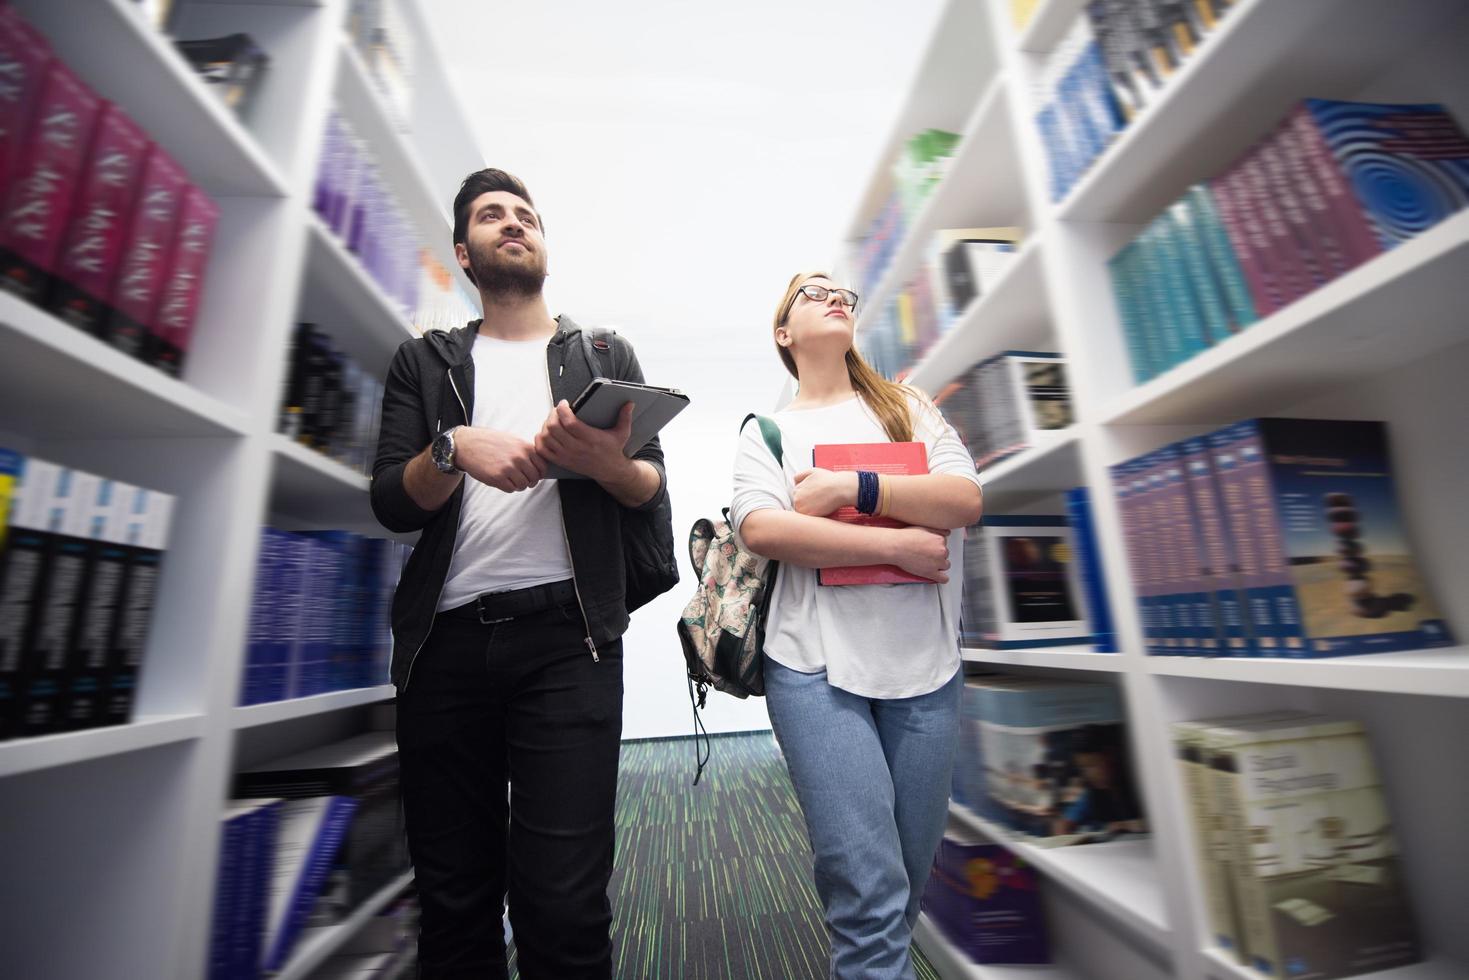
pixel 872 777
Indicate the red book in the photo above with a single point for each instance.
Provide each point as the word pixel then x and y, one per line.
pixel 45 181
pixel 92 248
pixel 24 56
pixel 178 307
pixel 145 253
pixel 888 458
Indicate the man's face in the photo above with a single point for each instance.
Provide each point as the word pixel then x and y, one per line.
pixel 503 246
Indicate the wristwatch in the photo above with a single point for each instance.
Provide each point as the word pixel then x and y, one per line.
pixel 442 452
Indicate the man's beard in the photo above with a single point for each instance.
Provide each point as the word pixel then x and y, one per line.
pixel 506 278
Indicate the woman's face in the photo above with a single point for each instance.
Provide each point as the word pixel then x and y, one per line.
pixel 816 324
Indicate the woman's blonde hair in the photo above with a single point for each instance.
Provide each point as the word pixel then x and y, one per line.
pixel 888 400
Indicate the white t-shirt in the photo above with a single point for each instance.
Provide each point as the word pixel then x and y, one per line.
pixel 508 540
pixel 876 641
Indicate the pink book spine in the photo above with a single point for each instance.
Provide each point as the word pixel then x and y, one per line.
pixel 1330 241
pixel 1358 237
pixel 1301 239
pixel 145 253
pixel 1291 279
pixel 46 178
pixel 178 307
pixel 1238 226
pixel 92 247
pixel 24 56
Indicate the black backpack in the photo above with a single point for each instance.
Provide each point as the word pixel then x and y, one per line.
pixel 648 561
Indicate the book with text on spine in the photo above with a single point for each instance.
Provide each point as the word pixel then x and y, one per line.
pixel 885 458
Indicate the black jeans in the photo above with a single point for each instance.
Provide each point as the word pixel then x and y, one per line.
pixel 519 703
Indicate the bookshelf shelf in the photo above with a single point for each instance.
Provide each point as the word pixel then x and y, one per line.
pixel 954 965
pixel 363 107
pixel 308 484
pixel 1120 879
pixel 1064 658
pixel 336 282
pixel 1435 672
pixel 1010 316
pixel 1351 328
pixel 121 54
pixel 317 945
pixel 1048 24
pixel 251 716
pixel 1222 966
pixel 1051 466
pixel 25 755
pixel 60 382
pixel 979 181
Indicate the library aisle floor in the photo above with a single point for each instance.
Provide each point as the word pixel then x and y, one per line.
pixel 713 882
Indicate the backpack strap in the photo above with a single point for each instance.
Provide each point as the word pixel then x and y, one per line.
pixel 771 432
pixel 599 358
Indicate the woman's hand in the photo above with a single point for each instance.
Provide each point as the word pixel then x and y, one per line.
pixel 820 493
pixel 922 551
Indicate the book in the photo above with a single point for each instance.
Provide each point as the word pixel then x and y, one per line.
pixel 147 529
pixel 311 830
pixel 1407 164
pixel 1349 224
pixel 1057 768
pixel 887 458
pixel 24 564
pixel 1224 263
pixel 1032 595
pixel 48 168
pixel 1314 862
pixel 24 56
pixel 987 900
pixel 90 645
pixel 247 841
pixel 91 248
pixel 1220 572
pixel 183 285
pixel 1088 561
pixel 145 254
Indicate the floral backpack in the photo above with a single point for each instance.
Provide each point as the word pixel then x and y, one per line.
pixel 722 628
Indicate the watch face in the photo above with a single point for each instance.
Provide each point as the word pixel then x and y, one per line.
pixel 443 452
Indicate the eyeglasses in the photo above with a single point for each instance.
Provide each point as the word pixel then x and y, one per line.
pixel 819 294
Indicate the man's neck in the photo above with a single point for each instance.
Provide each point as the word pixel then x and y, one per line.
pixel 516 317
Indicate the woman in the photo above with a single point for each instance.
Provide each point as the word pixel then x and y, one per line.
pixel 862 681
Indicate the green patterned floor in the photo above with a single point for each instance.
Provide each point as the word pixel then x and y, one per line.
pixel 714 882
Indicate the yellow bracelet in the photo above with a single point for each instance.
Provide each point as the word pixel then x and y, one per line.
pixel 884 494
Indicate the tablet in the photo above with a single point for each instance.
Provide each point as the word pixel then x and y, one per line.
pixel 600 401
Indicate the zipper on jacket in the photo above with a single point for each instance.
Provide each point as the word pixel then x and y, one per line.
pixel 566 536
pixel 407 676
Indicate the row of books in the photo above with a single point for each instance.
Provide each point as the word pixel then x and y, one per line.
pixel 917 172
pixel 1047 760
pixel 357 205
pixel 1111 63
pixel 306 840
pixel 1295 841
pixel 1008 403
pixel 1334 184
pixel 79 563
pixel 319 617
pixel 987 901
pixel 330 403
pixel 97 223
pixel 959 265
pixel 1274 538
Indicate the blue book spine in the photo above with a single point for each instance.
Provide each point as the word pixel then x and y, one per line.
pixel 1045 122
pixel 1208 300
pixel 328 839
pixel 1223 263
pixel 263 823
pixel 291 612
pixel 1153 275
pixel 1220 569
pixel 1125 299
pixel 1274 608
pixel 1202 579
pixel 1187 319
pixel 257 642
pixel 1079 512
pixel 223 930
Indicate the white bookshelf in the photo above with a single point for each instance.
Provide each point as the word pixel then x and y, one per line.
pixel 319 944
pixel 951 962
pixel 112 834
pixel 1388 341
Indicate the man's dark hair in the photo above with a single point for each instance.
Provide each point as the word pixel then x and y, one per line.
pixel 483 182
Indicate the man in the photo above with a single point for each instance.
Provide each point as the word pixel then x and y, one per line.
pixel 507 621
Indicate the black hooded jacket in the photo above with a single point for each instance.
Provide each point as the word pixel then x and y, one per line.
pixel 430 388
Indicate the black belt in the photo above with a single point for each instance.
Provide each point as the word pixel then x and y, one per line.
pixel 497 607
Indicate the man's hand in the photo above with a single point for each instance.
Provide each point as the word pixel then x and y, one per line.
pixel 823 492
pixel 596 453
pixel 498 459
pixel 922 551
